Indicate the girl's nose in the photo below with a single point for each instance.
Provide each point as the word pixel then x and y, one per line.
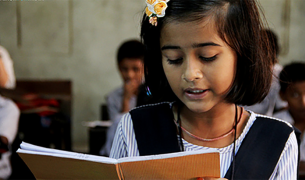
pixel 192 71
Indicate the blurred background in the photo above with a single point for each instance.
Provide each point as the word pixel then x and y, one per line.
pixel 69 47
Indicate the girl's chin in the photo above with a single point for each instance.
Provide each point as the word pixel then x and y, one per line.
pixel 197 108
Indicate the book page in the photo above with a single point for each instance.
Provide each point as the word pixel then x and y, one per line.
pixel 47 163
pixel 32 149
pixel 52 167
pixel 180 167
pixel 164 156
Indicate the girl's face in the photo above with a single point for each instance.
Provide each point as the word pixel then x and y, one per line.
pixel 198 64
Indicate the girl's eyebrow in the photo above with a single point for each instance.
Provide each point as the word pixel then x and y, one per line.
pixel 193 46
pixel 205 44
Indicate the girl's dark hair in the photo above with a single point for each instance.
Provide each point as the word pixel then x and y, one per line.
pixel 239 24
pixel 292 73
pixel 273 41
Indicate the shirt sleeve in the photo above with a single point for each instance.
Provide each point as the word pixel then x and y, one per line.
pixel 9 118
pixel 288 163
pixel 109 138
pixel 124 143
pixel 114 107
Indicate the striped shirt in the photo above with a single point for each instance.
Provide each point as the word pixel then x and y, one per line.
pixel 125 145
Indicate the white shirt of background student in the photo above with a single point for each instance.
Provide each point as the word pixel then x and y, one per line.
pixel 9 112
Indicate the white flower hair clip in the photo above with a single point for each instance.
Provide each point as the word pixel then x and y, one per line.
pixel 155 9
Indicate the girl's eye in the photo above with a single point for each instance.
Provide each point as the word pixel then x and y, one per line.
pixel 208 58
pixel 176 61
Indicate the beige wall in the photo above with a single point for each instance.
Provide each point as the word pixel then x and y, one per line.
pixel 287 19
pixel 70 39
pixel 77 40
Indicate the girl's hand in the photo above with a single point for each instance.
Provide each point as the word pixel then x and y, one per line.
pixel 210 178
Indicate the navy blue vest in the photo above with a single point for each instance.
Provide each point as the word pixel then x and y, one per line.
pixel 156 133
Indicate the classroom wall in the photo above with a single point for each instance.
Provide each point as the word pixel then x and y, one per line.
pixel 77 40
pixel 287 19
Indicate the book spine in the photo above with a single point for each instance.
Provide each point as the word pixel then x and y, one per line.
pixel 119 171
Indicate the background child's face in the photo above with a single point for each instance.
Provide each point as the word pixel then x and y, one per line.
pixel 295 97
pixel 198 64
pixel 131 70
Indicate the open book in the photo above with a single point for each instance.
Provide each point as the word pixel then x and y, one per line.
pixel 47 163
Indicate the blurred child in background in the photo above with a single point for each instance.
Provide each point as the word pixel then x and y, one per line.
pixel 120 101
pixel 9 114
pixel 292 81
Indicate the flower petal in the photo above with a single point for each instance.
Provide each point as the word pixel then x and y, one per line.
pixel 148 12
pixel 159 8
pixel 150 1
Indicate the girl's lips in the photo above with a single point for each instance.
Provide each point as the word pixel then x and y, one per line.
pixel 194 94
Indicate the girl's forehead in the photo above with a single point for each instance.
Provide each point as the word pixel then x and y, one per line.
pixel 186 33
pixel 207 22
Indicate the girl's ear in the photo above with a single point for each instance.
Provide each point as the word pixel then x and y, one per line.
pixel 283 96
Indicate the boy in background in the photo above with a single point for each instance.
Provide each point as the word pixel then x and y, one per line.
pixel 292 82
pixel 130 57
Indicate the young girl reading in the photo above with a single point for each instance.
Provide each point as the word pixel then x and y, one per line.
pixel 203 59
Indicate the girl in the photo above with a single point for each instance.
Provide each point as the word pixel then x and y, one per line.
pixel 204 57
